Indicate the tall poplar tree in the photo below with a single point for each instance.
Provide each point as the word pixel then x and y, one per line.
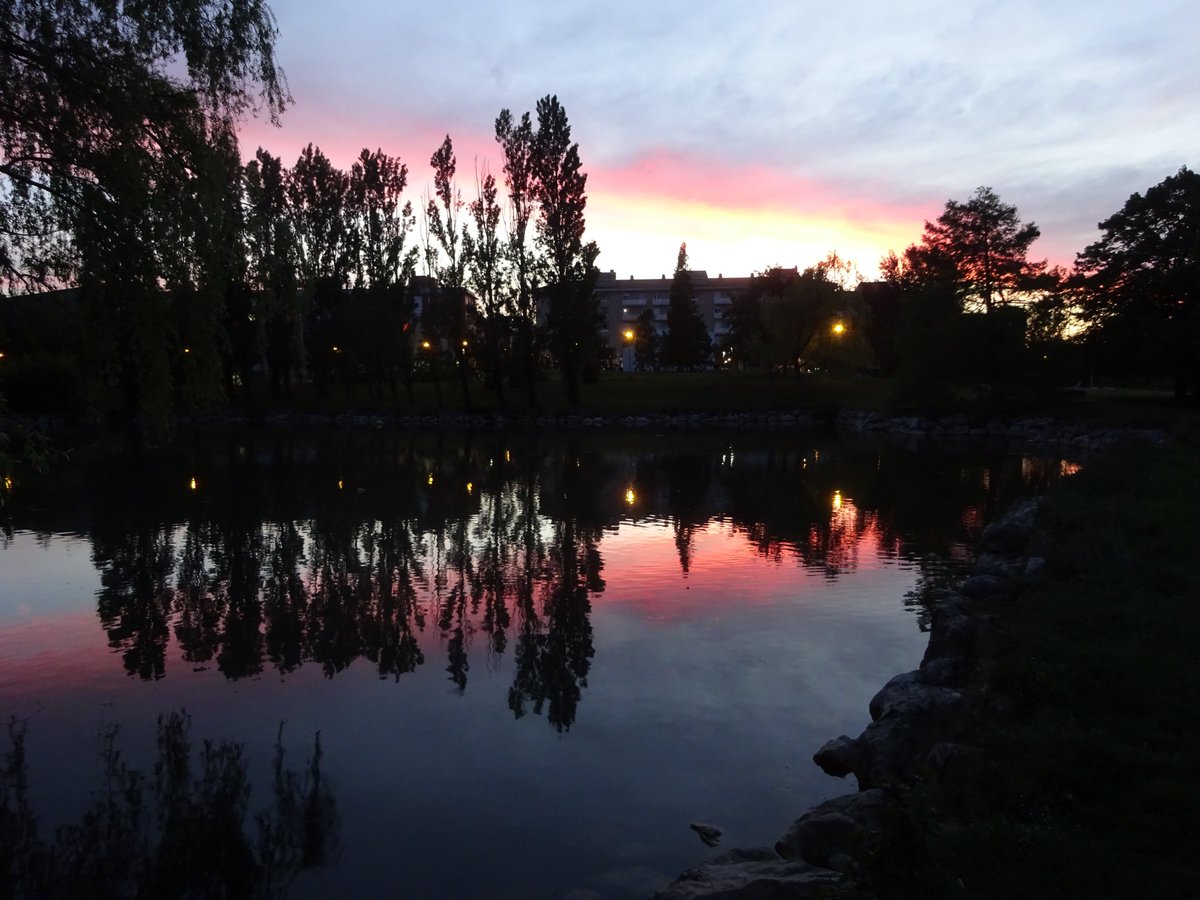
pixel 516 142
pixel 445 318
pixel 484 251
pixel 574 319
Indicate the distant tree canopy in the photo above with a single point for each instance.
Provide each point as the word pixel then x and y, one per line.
pixel 1140 283
pixel 801 320
pixel 979 248
pixel 963 310
pixel 120 174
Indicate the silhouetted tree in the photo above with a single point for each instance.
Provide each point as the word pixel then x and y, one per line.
pixel 743 316
pixel 381 220
pixel 272 260
pixel 1141 281
pixel 574 320
pixel 317 195
pixel 445 319
pixel 774 323
pixel 484 250
pixel 117 160
pixel 981 246
pixel 976 254
pixel 516 140
pixel 686 344
pixel 647 346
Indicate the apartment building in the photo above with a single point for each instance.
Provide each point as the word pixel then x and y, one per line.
pixel 622 302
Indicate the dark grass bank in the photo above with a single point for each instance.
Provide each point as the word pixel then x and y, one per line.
pixel 1085 782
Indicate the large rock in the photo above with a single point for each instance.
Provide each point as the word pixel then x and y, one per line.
pixel 1010 533
pixel 762 879
pixel 986 586
pixel 952 633
pixel 839 757
pixel 910 716
pixel 829 833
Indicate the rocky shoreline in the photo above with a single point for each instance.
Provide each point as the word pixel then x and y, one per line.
pixel 919 730
pixel 1025 430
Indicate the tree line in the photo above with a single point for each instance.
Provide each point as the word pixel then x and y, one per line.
pixel 120 173
pixel 342 271
pixel 967 312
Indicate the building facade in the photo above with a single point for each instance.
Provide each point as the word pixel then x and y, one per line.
pixel 623 301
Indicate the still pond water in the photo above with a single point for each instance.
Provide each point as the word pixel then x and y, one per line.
pixel 532 660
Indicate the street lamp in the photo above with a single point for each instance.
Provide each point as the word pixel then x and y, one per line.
pixel 629 335
pixel 839 328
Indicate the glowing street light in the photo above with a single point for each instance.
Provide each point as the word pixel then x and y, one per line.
pixel 629 335
pixel 839 328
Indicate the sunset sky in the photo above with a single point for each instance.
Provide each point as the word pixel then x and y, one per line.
pixel 766 133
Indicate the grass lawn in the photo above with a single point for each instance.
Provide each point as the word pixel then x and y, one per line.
pixel 1090 787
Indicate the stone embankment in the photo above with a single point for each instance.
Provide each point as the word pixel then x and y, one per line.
pixel 1025 430
pixel 920 727
pixel 1030 431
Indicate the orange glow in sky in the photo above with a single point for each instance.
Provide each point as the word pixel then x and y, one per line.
pixel 735 219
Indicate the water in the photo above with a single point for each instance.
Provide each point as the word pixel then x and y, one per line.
pixel 532 660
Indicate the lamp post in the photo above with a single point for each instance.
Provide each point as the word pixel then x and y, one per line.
pixel 627 354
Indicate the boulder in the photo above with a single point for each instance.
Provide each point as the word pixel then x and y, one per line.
pixel 910 717
pixel 839 757
pixel 1010 533
pixel 832 831
pixel 946 671
pixel 710 834
pixel 979 586
pixel 775 879
pixel 952 634
pixel 1001 565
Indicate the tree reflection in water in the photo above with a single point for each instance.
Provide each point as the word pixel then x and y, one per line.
pixel 180 831
pixel 289 551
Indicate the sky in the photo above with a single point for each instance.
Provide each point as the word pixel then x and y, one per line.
pixel 765 133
